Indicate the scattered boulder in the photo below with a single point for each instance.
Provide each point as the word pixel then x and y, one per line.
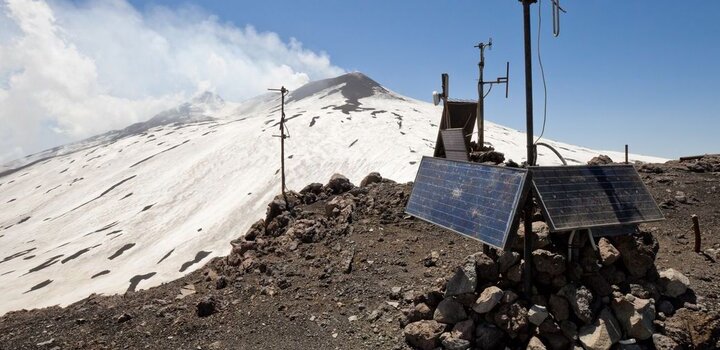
pixel 600 160
pixel 206 307
pixel 673 283
pixel 371 178
pixel 424 335
pixel 602 334
pixel 450 311
pixel 488 299
pixel 339 184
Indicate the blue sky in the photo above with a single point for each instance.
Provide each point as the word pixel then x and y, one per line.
pixel 621 72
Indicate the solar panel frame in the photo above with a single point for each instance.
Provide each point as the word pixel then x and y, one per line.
pixel 454 143
pixel 510 221
pixel 651 214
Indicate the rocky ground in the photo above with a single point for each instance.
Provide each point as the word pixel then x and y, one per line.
pixel 345 268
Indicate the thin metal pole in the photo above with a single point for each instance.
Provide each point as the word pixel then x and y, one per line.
pixel 626 155
pixel 282 142
pixel 283 91
pixel 481 99
pixel 530 149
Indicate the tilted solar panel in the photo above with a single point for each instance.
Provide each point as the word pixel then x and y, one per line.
pixel 576 197
pixel 475 200
pixel 454 144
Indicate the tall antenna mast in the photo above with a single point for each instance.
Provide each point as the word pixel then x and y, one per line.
pixel 481 90
pixel 283 91
pixel 528 242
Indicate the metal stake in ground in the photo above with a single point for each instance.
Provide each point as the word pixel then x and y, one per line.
pixel 696 229
pixel 283 91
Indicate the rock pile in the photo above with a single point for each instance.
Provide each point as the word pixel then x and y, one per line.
pixel 612 297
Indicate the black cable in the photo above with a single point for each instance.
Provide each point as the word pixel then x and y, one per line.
pixel 488 93
pixel 542 72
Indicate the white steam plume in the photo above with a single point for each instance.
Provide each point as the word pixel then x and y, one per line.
pixel 70 70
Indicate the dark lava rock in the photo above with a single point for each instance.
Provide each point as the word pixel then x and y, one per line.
pixel 206 307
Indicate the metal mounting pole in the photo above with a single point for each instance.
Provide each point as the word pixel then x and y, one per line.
pixel 283 91
pixel 530 149
pixel 481 97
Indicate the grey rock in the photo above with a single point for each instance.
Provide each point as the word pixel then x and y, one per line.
pixel 463 281
pixel 488 299
pixel 371 178
pixel 487 269
pixel 515 273
pixel 420 312
pixel 569 329
pixel 548 262
pixel 537 314
pixel 451 342
pixel 464 329
pixel 449 311
pixel 608 253
pixel 424 334
pixel 206 307
pixel 600 160
pixel 673 283
pixel 635 315
pixel 559 307
pixel 638 253
pixel 512 318
pixel 663 342
pixel 666 307
pixel 339 184
pixel 580 299
pixel 506 259
pixel 489 337
pixel 602 334
pixel 535 344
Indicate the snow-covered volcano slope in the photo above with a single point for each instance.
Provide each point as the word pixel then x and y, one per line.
pixel 131 209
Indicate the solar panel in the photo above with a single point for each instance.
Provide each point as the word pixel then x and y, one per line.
pixel 475 200
pixel 610 231
pixel 575 197
pixel 454 144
